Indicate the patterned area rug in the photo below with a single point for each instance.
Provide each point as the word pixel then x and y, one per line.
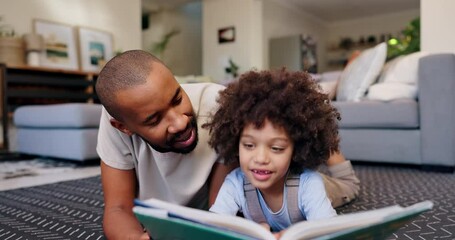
pixel 385 186
pixel 33 167
pixel 73 209
pixel 65 210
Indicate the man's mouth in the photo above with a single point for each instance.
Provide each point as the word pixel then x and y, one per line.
pixel 185 138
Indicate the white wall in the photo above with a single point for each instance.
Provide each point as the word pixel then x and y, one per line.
pixel 281 20
pixel 121 18
pixel 184 52
pixel 437 21
pixel 246 51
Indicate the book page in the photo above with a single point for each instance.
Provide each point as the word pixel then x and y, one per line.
pixel 312 229
pixel 233 223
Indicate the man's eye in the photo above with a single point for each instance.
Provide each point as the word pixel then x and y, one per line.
pixel 155 121
pixel 177 101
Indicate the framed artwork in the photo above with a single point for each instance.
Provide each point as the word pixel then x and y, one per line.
pixel 226 35
pixel 96 48
pixel 60 49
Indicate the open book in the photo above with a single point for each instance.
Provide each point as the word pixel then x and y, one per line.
pixel 170 221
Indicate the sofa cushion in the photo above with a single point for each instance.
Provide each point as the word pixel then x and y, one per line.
pixel 403 69
pixel 390 91
pixel 400 114
pixel 361 73
pixel 71 143
pixel 398 79
pixel 66 115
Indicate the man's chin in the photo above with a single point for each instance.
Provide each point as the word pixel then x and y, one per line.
pixel 179 147
pixel 184 150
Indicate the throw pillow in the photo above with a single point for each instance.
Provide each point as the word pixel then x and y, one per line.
pixel 404 69
pixel 361 73
pixel 398 72
pixel 388 67
pixel 391 91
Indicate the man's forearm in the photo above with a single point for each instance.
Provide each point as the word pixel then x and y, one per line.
pixel 120 224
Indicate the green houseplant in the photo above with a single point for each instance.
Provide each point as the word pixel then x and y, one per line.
pixel 159 47
pixel 408 43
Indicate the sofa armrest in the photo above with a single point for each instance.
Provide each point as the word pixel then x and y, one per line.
pixel 437 109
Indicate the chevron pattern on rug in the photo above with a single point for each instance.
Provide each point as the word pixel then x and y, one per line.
pixel 73 209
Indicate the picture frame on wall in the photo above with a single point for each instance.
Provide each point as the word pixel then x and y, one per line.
pixel 226 35
pixel 60 48
pixel 95 48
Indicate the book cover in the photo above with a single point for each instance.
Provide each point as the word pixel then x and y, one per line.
pixel 170 221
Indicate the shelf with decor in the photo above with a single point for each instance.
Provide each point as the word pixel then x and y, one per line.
pixel 337 57
pixel 25 85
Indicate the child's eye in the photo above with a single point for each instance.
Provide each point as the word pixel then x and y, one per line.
pixel 277 149
pixel 248 145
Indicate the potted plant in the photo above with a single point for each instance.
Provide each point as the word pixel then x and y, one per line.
pixel 158 48
pixel 408 43
pixel 11 46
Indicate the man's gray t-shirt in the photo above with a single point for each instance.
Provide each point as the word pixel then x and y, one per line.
pixel 173 177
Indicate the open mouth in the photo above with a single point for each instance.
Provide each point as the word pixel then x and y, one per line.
pixel 261 172
pixel 184 139
pixel 261 175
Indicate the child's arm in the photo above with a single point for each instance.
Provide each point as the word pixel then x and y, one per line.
pixel 313 197
pixel 228 202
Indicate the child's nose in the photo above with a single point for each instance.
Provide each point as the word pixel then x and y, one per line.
pixel 261 156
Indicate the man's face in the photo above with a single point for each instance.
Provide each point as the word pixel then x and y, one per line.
pixel 160 112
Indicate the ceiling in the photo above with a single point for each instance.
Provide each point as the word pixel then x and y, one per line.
pixel 326 10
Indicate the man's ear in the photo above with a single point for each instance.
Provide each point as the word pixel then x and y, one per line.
pixel 120 126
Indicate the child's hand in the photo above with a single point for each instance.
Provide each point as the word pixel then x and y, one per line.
pixel 265 225
pixel 279 234
pixel 145 236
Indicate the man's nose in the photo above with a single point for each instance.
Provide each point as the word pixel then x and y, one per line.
pixel 177 121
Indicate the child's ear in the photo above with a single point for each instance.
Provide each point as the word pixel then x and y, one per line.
pixel 120 126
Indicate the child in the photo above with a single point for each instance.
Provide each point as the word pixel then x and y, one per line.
pixel 279 127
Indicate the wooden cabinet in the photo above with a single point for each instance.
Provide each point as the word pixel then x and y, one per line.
pixel 35 85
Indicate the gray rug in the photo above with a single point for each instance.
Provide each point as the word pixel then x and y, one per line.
pixel 34 167
pixel 73 209
pixel 65 210
pixel 385 186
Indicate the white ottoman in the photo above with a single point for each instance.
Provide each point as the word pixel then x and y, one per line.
pixel 67 131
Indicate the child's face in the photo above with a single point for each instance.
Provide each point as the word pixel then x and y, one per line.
pixel 265 155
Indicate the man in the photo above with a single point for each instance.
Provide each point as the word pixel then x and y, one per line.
pixel 151 142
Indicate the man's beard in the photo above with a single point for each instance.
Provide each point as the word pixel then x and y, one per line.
pixel 192 124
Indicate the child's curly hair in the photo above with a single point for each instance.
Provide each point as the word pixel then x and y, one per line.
pixel 291 100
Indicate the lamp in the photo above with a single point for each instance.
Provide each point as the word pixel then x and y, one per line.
pixel 34 44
